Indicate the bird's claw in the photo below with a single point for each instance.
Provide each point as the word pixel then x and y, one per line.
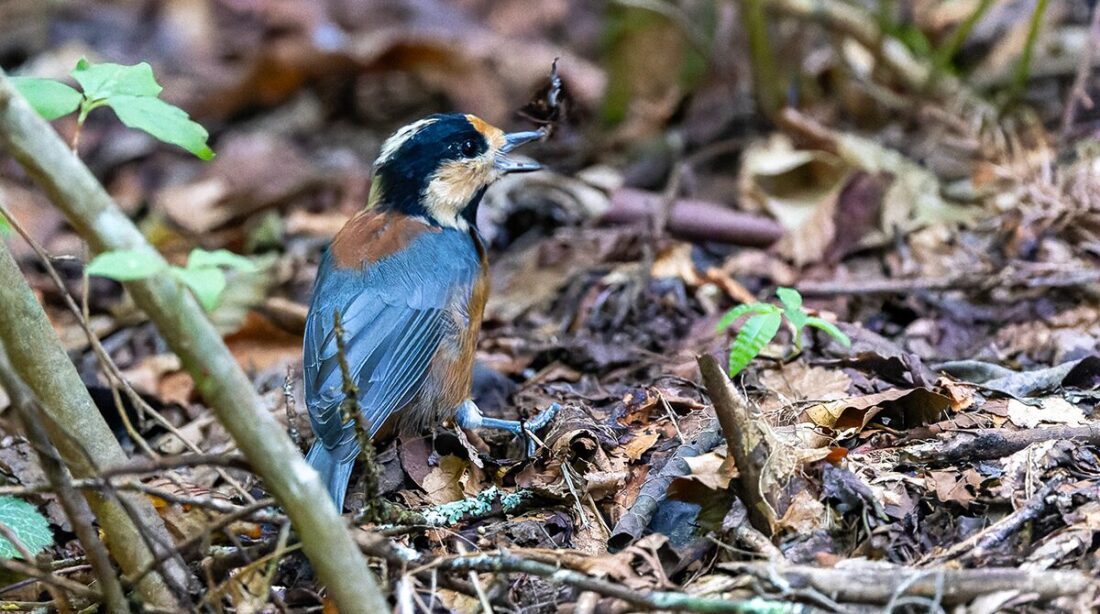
pixel 540 420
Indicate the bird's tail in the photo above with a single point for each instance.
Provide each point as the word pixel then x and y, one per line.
pixel 335 473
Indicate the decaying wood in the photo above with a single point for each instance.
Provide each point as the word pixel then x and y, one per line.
pixel 694 219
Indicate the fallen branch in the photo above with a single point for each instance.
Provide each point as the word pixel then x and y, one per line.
pixel 694 219
pixel 184 325
pixel 990 444
pixel 506 562
pixel 980 280
pixel 655 490
pixel 879 583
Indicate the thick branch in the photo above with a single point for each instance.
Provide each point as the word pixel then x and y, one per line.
pixel 76 508
pixel 77 428
pixel 184 325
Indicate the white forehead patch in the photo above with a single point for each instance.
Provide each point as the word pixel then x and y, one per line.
pixel 398 139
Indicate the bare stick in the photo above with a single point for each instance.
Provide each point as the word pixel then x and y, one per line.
pixel 878 585
pixel 977 280
pixel 504 561
pixel 989 444
pixel 26 569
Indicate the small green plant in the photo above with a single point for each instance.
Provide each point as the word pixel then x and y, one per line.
pixel 763 323
pixel 204 273
pixel 131 91
pixel 29 526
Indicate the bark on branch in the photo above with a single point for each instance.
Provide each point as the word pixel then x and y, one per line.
pixel 78 431
pixel 184 325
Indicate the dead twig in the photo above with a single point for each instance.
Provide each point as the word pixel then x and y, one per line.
pixel 25 569
pixel 504 561
pixel 988 444
pixel 692 219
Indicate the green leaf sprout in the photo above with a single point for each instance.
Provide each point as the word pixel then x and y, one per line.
pixel 763 324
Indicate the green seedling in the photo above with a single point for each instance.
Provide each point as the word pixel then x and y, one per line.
pixel 763 323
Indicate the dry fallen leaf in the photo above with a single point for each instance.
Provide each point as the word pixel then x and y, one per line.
pixel 804 515
pixel 919 406
pixel 641 443
pixel 799 188
pixel 444 481
pixel 1052 410
pixel 711 469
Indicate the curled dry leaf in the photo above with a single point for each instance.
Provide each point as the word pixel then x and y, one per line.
pixel 918 406
pixel 797 187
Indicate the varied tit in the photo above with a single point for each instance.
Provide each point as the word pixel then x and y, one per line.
pixel 409 277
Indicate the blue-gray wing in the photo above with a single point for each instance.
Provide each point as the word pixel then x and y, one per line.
pixel 395 313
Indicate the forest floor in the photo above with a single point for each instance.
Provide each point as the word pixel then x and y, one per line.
pixel 947 458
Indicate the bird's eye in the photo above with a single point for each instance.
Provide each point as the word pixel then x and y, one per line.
pixel 468 148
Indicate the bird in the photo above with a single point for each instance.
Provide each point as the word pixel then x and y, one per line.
pixel 409 278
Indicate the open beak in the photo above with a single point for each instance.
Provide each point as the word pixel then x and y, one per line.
pixel 511 141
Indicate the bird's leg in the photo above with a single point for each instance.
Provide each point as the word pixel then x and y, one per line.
pixel 470 417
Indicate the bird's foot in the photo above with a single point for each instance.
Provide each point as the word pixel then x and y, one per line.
pixel 469 416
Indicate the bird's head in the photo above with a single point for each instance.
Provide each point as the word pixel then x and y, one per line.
pixel 439 167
